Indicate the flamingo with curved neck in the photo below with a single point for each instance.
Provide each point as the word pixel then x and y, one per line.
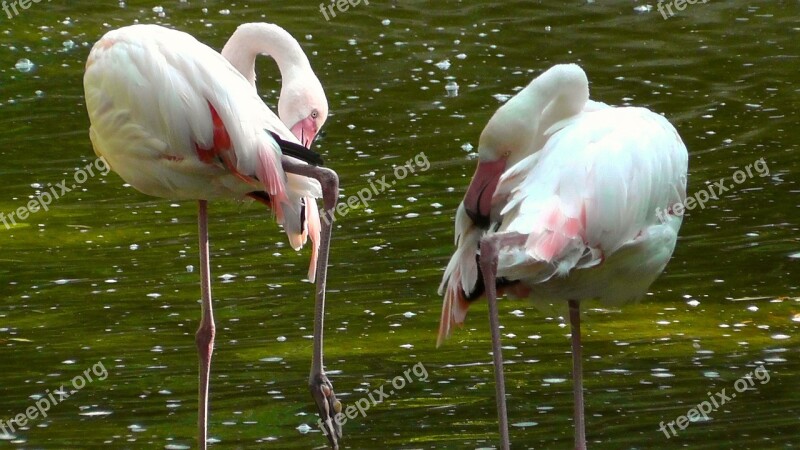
pixel 563 208
pixel 176 120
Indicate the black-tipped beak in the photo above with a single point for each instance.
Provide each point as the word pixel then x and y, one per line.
pixel 478 200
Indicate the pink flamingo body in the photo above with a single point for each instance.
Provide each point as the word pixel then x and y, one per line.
pixel 563 208
pixel 176 120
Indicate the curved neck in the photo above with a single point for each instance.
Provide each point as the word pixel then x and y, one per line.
pixel 558 94
pixel 563 91
pixel 253 39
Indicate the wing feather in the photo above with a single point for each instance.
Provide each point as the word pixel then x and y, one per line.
pixel 150 93
pixel 594 187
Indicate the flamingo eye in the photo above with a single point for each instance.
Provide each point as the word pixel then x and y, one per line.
pixel 314 114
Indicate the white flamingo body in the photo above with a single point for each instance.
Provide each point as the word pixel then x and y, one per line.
pixel 152 94
pixel 563 207
pixel 149 107
pixel 588 200
pixel 176 120
pixel 587 197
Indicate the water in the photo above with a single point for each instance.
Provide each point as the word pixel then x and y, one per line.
pixel 106 274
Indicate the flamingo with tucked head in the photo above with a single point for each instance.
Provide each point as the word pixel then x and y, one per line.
pixel 176 120
pixel 563 207
pixel 302 105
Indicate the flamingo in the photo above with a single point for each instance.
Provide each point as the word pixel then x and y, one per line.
pixel 564 207
pixel 176 120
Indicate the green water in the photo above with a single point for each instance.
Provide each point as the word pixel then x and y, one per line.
pixel 102 277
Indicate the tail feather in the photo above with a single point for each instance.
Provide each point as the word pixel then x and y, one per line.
pixel 293 222
pixel 454 311
pixel 301 222
pixel 460 276
pixel 301 194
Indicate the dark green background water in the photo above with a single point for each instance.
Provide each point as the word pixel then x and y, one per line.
pixel 102 276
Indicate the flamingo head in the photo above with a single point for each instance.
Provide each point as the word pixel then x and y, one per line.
pixel 521 127
pixel 508 138
pixel 478 200
pixel 501 145
pixel 303 107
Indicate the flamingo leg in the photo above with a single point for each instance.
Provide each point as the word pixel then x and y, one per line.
pixel 577 374
pixel 321 388
pixel 490 249
pixel 204 338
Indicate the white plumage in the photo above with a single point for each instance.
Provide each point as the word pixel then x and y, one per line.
pixel 584 183
pixel 177 120
pixel 148 102
pixel 152 94
pixel 563 208
pixel 588 200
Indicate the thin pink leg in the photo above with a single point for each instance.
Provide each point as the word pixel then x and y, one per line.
pixel 320 386
pixel 497 354
pixel 577 374
pixel 205 333
pixel 490 250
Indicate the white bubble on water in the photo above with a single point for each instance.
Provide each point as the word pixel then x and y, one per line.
pixel 24 65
